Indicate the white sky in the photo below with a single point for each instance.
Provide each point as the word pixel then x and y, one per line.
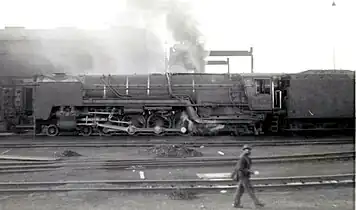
pixel 287 35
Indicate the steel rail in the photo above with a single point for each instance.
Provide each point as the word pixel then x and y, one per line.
pixel 171 138
pixel 206 141
pixel 164 185
pixel 262 137
pixel 13 166
pixel 187 143
pixel 186 159
pixel 20 137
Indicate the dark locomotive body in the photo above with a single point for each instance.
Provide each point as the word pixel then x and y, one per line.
pixel 156 103
pixel 16 104
pixel 319 101
pixel 181 103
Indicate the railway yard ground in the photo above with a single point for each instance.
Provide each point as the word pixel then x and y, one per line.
pixel 291 200
pixel 41 175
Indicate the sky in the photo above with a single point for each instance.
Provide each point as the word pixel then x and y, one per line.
pixel 287 35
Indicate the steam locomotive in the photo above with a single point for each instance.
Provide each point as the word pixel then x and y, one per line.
pixel 180 103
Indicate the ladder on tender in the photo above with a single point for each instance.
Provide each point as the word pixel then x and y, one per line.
pixel 274 123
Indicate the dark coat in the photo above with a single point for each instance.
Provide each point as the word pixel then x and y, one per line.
pixel 242 168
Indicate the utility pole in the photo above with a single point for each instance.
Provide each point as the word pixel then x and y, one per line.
pixel 334 57
pixel 166 56
pixel 334 34
pixel 34 106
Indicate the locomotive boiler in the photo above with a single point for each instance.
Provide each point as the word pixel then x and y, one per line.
pixel 180 103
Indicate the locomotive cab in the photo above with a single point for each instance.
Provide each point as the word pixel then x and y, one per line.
pixel 264 91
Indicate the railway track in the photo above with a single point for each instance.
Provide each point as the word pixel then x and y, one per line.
pixel 165 138
pixel 169 185
pixel 89 164
pixel 192 143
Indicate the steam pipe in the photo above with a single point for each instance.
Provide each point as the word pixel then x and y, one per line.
pixel 228 67
pixel 194 116
pixel 114 89
pixel 168 77
pixel 108 85
pixel 272 93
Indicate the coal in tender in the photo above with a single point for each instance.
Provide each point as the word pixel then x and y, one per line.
pixel 178 151
pixel 182 195
pixel 70 153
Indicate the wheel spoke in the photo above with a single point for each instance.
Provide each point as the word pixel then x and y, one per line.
pixel 86 130
pixel 159 121
pixel 52 130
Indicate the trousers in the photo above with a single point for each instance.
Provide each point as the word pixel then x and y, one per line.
pixel 244 184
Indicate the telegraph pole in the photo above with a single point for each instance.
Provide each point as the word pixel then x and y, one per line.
pixel 334 34
pixel 166 56
pixel 34 87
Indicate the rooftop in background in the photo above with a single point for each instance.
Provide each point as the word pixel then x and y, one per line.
pixel 328 71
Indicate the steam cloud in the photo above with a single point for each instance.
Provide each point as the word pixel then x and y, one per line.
pixel 181 23
pixel 123 51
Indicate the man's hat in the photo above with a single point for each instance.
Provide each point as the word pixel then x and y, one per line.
pixel 246 147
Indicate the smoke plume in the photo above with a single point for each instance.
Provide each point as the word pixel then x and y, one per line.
pixel 181 23
pixel 120 50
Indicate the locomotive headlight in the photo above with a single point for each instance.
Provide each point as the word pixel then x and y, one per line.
pixel 183 130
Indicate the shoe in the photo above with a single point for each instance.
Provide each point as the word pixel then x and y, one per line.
pixel 259 205
pixel 237 206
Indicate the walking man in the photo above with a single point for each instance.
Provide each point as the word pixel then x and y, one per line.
pixel 242 174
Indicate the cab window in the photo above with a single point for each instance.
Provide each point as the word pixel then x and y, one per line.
pixel 263 86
